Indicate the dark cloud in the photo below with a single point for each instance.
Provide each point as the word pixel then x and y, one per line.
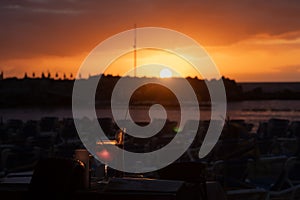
pixel 68 27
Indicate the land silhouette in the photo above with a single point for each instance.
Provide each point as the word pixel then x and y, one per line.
pixel 49 92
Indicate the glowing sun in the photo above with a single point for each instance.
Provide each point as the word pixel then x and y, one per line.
pixel 165 73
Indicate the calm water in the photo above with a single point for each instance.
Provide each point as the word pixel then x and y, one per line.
pixel 251 111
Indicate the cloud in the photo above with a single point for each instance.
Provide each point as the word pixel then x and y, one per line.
pixel 65 28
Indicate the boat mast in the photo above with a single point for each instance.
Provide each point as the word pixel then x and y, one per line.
pixel 134 52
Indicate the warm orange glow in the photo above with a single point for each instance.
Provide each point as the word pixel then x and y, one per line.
pixel 261 58
pixel 256 59
pixel 124 64
pixel 244 41
pixel 104 154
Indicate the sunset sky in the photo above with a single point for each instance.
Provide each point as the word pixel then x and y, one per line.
pixel 249 40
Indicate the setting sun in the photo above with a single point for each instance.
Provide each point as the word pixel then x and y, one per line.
pixel 177 66
pixel 165 73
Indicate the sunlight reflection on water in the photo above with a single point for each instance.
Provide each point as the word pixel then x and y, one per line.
pixel 251 111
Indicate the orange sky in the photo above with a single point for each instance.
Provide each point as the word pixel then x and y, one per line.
pixel 155 57
pixel 249 40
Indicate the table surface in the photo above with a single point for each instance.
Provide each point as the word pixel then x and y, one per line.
pixel 116 188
